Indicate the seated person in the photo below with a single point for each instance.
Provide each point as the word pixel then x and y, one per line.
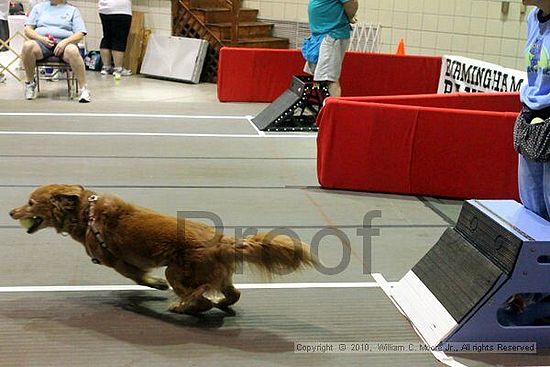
pixel 54 28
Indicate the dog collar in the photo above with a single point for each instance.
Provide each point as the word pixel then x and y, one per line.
pixel 92 227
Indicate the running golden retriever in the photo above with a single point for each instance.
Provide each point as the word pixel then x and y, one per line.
pixel 134 240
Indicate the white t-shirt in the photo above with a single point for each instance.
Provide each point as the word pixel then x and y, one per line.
pixel 114 6
pixel 4 9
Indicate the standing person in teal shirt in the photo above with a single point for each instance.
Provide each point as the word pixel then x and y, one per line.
pixel 330 20
pixel 534 177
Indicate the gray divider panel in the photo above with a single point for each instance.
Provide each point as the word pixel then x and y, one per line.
pixel 174 58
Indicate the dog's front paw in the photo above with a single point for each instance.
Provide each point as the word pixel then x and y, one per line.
pixel 176 307
pixel 157 283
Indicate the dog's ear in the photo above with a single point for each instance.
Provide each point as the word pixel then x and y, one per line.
pixel 68 198
pixel 65 202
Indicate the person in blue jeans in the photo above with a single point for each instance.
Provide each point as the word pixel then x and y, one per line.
pixel 330 19
pixel 534 177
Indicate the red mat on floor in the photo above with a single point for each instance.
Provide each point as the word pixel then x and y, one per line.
pixel 457 146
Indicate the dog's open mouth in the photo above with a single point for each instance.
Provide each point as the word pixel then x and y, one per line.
pixel 32 224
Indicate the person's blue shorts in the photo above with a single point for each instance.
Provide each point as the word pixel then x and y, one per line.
pixel 331 56
pixel 46 51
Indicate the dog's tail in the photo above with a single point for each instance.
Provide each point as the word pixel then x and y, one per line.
pixel 270 253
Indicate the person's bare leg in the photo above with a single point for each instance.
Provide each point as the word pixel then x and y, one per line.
pixel 29 54
pixel 72 56
pixel 106 57
pixel 334 89
pixel 118 58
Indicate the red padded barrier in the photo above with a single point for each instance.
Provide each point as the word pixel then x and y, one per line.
pixel 395 136
pixel 408 149
pixel 354 151
pixel 261 75
pixel 498 102
pixel 464 154
pixel 387 74
pixel 255 74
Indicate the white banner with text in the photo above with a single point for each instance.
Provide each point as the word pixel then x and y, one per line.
pixel 462 74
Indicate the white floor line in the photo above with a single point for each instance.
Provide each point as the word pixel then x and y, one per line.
pixel 440 356
pixel 307 285
pixel 258 131
pixel 121 115
pixel 95 288
pixel 93 133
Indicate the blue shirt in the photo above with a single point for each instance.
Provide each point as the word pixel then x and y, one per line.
pixel 61 21
pixel 328 16
pixel 536 93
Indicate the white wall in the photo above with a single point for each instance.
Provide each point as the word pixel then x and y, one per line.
pixel 473 28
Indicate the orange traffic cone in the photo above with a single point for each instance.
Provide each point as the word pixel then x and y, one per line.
pixel 400 47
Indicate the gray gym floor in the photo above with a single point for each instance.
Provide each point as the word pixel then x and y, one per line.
pixel 172 147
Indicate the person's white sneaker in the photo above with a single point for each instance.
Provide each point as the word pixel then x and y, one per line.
pixel 30 90
pixel 85 95
pixel 106 70
pixel 120 72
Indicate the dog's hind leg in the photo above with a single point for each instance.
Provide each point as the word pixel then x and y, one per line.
pixel 192 300
pixel 231 295
pixel 139 276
